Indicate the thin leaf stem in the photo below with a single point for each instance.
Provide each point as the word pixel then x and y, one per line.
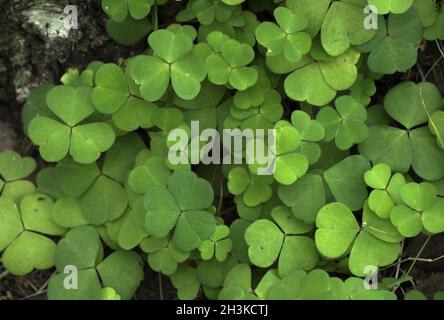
pixel 414 261
pixel 155 17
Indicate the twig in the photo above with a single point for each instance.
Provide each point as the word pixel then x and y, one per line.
pixel 33 295
pixel 398 267
pixel 439 48
pixel 433 66
pixel 221 195
pixel 428 260
pixel 420 71
pixel 437 61
pixel 414 261
pixel 43 287
pixel 32 285
pixel 3 274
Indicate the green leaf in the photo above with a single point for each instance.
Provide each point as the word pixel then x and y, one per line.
pixel 16 190
pixel 70 104
pixel 288 223
pixel 418 196
pixel 265 240
pixel 90 140
pixel 14 167
pixel 162 212
pixel 190 191
pixel 186 282
pixel 186 76
pixel 36 214
pixel 297 253
pixel 10 222
pixel 192 228
pixel 433 217
pixel 318 82
pixel 111 90
pixel 80 248
pixel 346 181
pixel 356 290
pixel 370 251
pixel 123 271
pixel 394 6
pixel 346 124
pixel 343 26
pixel 68 213
pixel 129 31
pixel 120 158
pixel 153 172
pixel 73 178
pixel 52 137
pixel 436 126
pixel 412 104
pixel 380 228
pixel 27 252
pixel 305 197
pixel 407 221
pixel 299 285
pixel 105 201
pixel 395 46
pixel 286 38
pixel 151 74
pixel 337 229
pixel 139 9
pixel 169 46
pixel 88 283
pixel 378 177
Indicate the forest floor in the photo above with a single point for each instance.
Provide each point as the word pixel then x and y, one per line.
pixel 32 53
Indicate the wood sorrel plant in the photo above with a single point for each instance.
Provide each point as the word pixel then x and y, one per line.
pixel 353 179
